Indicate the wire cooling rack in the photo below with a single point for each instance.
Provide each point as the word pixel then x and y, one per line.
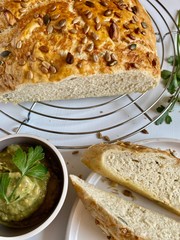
pixel 73 124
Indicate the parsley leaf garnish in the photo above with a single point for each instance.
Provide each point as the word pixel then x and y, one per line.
pixel 175 81
pixel 28 164
pixel 4 183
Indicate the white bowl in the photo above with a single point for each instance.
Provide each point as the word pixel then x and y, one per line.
pixel 24 233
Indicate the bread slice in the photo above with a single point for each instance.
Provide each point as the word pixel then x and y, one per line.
pixel 67 49
pixel 151 172
pixel 120 219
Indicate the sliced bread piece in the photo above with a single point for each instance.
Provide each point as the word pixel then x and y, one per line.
pixel 151 172
pixel 120 219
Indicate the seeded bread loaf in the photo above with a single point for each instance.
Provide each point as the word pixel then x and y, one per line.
pixel 121 219
pixel 151 172
pixel 75 49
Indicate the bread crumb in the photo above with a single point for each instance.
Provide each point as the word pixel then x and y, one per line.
pixel 80 176
pixel 106 138
pixel 75 152
pixel 99 135
pixel 127 193
pixel 144 131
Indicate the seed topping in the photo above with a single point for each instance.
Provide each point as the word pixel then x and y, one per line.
pixel 89 15
pixel 52 69
pixel 5 53
pixel 121 6
pixel 107 56
pixel 135 10
pixel 36 15
pixel 126 26
pixel 69 58
pixel 112 63
pixel 30 75
pixel 144 25
pixel 46 64
pixel 73 31
pixel 62 23
pixel 98 26
pixel 46 19
pixel 90 4
pixel 103 3
pixel 132 46
pixel 90 47
pixel 44 49
pixel 52 8
pixel 19 44
pixel 143 32
pixel 137 30
pixel 113 56
pixel 95 36
pixel 117 14
pixel 9 17
pixel 21 62
pixel 97 20
pixel 55 16
pixel 86 28
pixel 84 40
pixel 135 18
pixel 95 57
pixel 44 70
pixel 114 31
pixel 154 62
pixel 131 36
pixel 108 12
pixel 50 29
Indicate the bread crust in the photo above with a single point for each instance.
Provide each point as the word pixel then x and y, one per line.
pixel 159 183
pixel 50 42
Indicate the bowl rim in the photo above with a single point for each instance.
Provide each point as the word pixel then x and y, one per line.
pixel 53 215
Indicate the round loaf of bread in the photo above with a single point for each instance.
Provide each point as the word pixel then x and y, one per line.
pixel 75 49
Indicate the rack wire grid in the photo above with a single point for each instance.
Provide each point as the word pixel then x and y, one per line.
pixel 74 124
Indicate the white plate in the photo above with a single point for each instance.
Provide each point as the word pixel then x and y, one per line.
pixel 82 226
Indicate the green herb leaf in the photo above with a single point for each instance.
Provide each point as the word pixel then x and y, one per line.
pixel 4 183
pixel 160 109
pixel 162 118
pixel 165 74
pixel 34 155
pixel 20 160
pixel 173 85
pixel 37 171
pixel 173 60
pixel 175 81
pixel 28 162
pixel 168 119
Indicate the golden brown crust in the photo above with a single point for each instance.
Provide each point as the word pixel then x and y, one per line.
pixel 48 42
pixel 100 148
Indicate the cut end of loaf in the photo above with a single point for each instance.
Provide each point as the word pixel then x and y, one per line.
pixel 82 87
pixel 122 219
pixel 150 172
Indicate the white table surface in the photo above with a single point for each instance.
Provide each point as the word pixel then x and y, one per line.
pixel 57 229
